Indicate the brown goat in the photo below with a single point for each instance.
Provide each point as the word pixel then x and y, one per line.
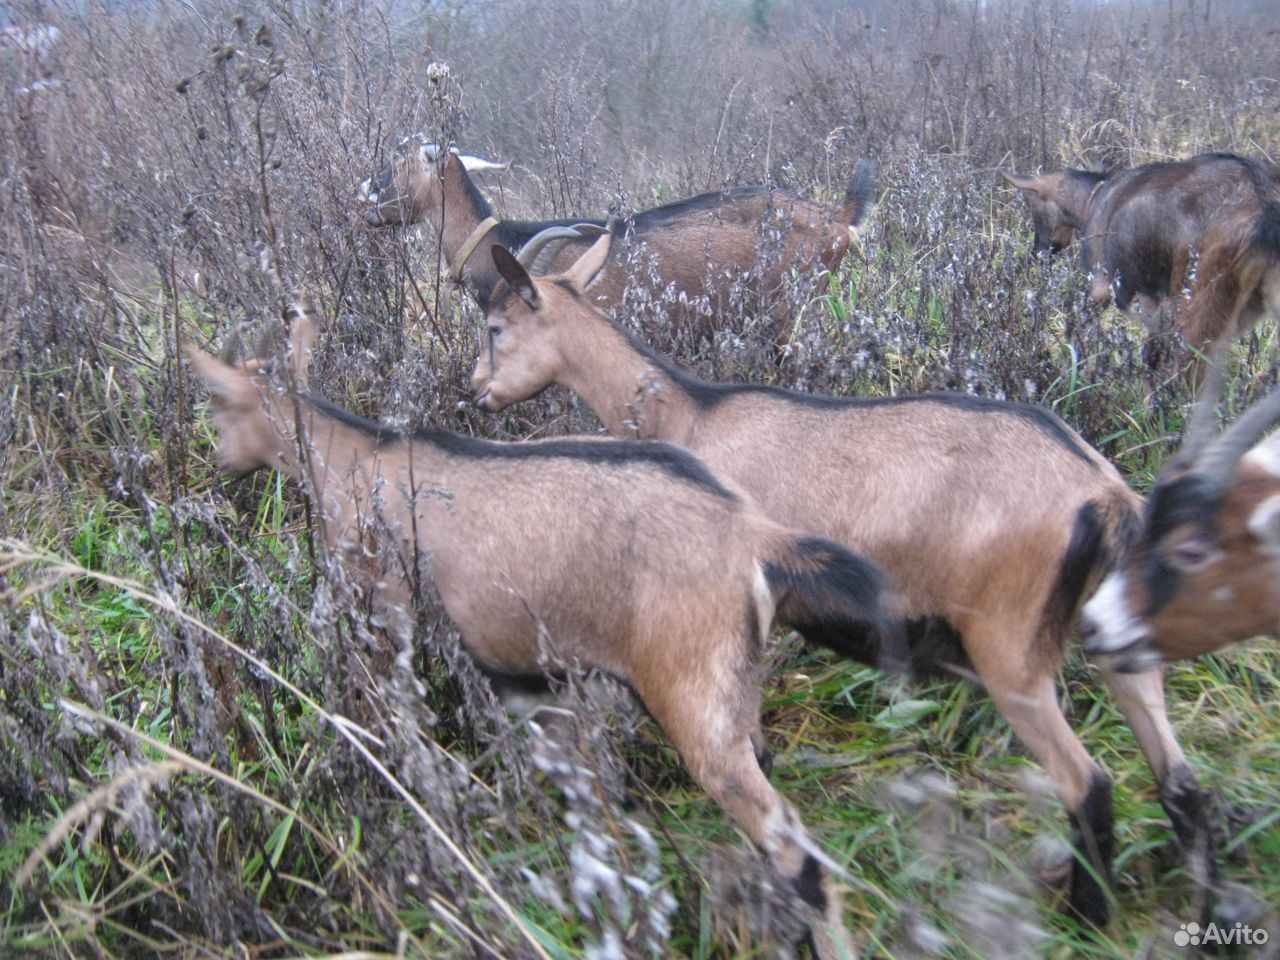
pixel 632 559
pixel 698 246
pixel 1198 239
pixel 1205 571
pixel 992 519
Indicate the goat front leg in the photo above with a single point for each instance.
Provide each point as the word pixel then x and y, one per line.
pixel 1029 701
pixel 1140 697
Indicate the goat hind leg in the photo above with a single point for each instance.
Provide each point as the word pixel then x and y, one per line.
pixel 721 756
pixel 738 784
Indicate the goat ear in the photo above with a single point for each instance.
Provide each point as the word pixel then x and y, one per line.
pixel 1025 181
pixel 1045 185
pixel 226 384
pixel 427 151
pixel 517 276
pixel 476 164
pixel 304 327
pixel 587 267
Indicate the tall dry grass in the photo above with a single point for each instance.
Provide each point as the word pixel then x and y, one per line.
pixel 205 747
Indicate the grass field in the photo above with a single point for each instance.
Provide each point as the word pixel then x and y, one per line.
pixel 207 748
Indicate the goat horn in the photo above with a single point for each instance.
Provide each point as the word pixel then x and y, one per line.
pixel 1218 462
pixel 475 164
pixel 529 255
pixel 1199 427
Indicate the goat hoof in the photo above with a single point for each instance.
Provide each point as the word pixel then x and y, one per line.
pixel 1088 901
pixel 1093 845
pixel 1235 819
pixel 1235 903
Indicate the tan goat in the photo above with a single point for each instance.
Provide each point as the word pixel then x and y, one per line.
pixel 630 558
pixel 699 246
pixel 992 519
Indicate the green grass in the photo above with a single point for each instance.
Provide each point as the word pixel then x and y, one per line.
pixel 841 743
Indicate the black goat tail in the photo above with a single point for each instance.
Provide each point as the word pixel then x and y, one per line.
pixel 837 599
pixel 860 192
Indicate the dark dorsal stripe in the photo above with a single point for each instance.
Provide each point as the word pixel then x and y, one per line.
pixel 671 460
pixel 658 216
pixel 707 395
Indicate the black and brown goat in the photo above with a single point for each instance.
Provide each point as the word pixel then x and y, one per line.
pixel 1198 239
pixel 1205 571
pixel 696 247
pixel 633 559
pixel 992 519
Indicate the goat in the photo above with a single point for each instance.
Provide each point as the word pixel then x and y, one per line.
pixel 633 559
pixel 696 243
pixel 1205 568
pixel 1200 237
pixel 992 519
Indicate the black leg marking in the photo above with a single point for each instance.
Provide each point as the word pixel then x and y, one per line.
pixel 1093 839
pixel 809 884
pixel 1188 806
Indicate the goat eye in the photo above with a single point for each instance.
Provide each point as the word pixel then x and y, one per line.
pixel 1191 555
pixel 494 331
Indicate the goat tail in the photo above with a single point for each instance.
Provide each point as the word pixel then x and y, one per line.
pixel 1265 241
pixel 859 193
pixel 837 599
pixel 1257 255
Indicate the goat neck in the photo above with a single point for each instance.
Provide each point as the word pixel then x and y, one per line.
pixel 1078 195
pixel 312 446
pixel 460 212
pixel 635 395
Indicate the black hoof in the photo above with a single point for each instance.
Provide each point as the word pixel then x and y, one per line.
pixel 1189 809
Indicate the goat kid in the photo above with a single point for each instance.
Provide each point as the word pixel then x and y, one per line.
pixel 1197 238
pixel 1205 571
pixel 992 519
pixel 698 246
pixel 632 559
